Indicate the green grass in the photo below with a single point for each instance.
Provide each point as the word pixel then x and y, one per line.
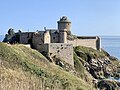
pixel 84 52
pixel 80 69
pixel 19 57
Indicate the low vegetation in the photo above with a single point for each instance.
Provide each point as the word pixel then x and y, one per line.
pixel 23 68
pixel 85 52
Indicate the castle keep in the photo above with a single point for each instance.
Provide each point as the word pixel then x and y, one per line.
pixel 57 42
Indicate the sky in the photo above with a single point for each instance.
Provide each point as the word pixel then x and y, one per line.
pixel 88 17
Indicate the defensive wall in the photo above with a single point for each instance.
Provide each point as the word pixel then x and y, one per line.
pixel 25 37
pixel 59 50
pixel 38 38
pixel 87 41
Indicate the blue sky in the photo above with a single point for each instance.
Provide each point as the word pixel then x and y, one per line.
pixel 88 17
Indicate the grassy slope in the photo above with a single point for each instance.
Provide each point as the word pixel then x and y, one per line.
pixel 25 69
pixel 85 52
pixel 89 51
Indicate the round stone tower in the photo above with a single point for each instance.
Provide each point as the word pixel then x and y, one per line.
pixel 64 27
pixel 64 23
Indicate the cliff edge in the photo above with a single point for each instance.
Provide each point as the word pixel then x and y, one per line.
pixel 23 68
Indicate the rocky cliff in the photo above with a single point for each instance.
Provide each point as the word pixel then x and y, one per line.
pixel 23 68
pixel 100 65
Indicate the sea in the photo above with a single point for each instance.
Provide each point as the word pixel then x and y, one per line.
pixel 1 38
pixel 111 44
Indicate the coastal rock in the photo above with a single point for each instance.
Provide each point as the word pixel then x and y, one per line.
pixel 98 64
pixel 108 85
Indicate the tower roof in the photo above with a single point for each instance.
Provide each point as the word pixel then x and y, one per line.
pixel 64 19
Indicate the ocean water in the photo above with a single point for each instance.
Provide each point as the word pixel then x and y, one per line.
pixel 1 38
pixel 112 45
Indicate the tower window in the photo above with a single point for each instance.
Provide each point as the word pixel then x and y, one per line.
pixel 28 35
pixel 53 37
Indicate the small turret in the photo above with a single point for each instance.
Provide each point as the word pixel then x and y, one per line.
pixel 46 37
pixel 64 23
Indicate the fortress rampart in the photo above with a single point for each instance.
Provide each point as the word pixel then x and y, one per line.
pixel 58 50
pixel 93 42
pixel 55 42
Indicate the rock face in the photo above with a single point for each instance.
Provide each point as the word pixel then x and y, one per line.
pixel 108 85
pixel 100 65
pixel 100 68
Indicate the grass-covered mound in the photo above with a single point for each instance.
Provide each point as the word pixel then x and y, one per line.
pixel 86 53
pixel 23 68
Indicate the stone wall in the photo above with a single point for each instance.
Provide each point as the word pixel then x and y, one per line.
pixel 64 51
pixel 93 42
pixel 54 36
pixel 25 37
pixel 42 47
pixel 38 38
pixel 60 50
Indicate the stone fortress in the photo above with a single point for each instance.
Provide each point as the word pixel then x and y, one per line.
pixel 58 42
